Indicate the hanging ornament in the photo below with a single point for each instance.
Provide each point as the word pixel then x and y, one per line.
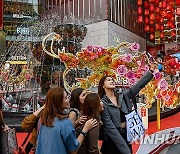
pixel 177 2
pixel 152 36
pixel 157 26
pixel 146 20
pixel 140 19
pixel 157 18
pixel 146 28
pixel 139 2
pixel 146 12
pixel 169 6
pixel 151 22
pixel 151 1
pixel 161 20
pixel 161 34
pixel 157 10
pixel 164 4
pixel 139 10
pixel 151 29
pixel 164 13
pixel 146 4
pixel 152 16
pixel 178 11
pixel 156 2
pixel 162 27
pixel 151 8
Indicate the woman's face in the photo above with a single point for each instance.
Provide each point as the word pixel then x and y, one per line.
pixel 65 104
pixel 109 83
pixel 82 96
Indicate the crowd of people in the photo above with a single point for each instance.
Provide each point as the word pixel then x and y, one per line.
pixel 72 124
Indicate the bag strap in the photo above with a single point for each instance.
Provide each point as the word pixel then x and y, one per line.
pixel 26 138
pixel 133 98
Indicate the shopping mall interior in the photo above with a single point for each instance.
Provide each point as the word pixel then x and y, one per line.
pixel 74 43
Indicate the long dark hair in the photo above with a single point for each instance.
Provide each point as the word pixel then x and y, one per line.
pixel 101 90
pixel 74 100
pixel 52 109
pixel 92 106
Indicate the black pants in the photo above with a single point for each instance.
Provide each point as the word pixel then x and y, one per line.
pixel 109 147
pixel 28 147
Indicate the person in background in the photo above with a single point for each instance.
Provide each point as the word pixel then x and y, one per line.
pixel 91 109
pixel 30 124
pixel 76 101
pixel 57 134
pixel 115 109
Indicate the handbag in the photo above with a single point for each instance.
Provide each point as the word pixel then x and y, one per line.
pixel 134 124
pixel 9 141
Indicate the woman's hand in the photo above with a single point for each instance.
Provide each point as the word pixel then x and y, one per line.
pixel 89 125
pixel 81 120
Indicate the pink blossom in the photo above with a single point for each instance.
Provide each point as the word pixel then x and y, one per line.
pixel 121 70
pixel 163 85
pixel 146 68
pixel 157 75
pixel 166 98
pixel 127 58
pixel 135 46
pixel 132 81
pixel 89 48
pixel 130 74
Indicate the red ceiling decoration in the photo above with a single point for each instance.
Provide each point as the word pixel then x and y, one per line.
pixel 159 18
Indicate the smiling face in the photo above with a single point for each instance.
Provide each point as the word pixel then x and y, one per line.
pixel 109 83
pixel 65 104
pixel 82 96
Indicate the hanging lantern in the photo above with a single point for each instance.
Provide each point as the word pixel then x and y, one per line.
pixel 160 4
pixel 146 28
pixel 151 1
pixel 177 2
pixel 172 10
pixel 157 18
pixel 162 27
pixel 157 9
pixel 178 11
pixel 146 20
pixel 173 25
pixel 140 19
pixel 151 29
pixel 139 10
pixel 151 8
pixel 164 4
pixel 146 12
pixel 173 33
pixel 164 13
pixel 169 6
pixel 139 2
pixel 169 24
pixel 152 36
pixel 161 34
pixel 161 20
pixel 157 26
pixel 151 22
pixel 169 15
pixel 146 4
pixel 156 2
pixel 152 16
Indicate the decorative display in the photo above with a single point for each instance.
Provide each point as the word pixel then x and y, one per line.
pixel 114 62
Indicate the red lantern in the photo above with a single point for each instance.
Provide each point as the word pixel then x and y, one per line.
pixel 169 24
pixel 156 2
pixel 162 27
pixel 151 1
pixel 157 26
pixel 139 2
pixel 151 29
pixel 158 18
pixel 169 15
pixel 146 28
pixel 146 4
pixel 140 19
pixel 178 11
pixel 169 6
pixel 164 4
pixel 152 36
pixel 146 20
pixel 152 16
pixel 177 2
pixel 151 8
pixel 164 13
pixel 172 18
pixel 173 25
pixel 139 10
pixel 162 35
pixel 172 10
pixel 157 9
pixel 161 20
pixel 151 22
pixel 146 12
pixel 160 4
